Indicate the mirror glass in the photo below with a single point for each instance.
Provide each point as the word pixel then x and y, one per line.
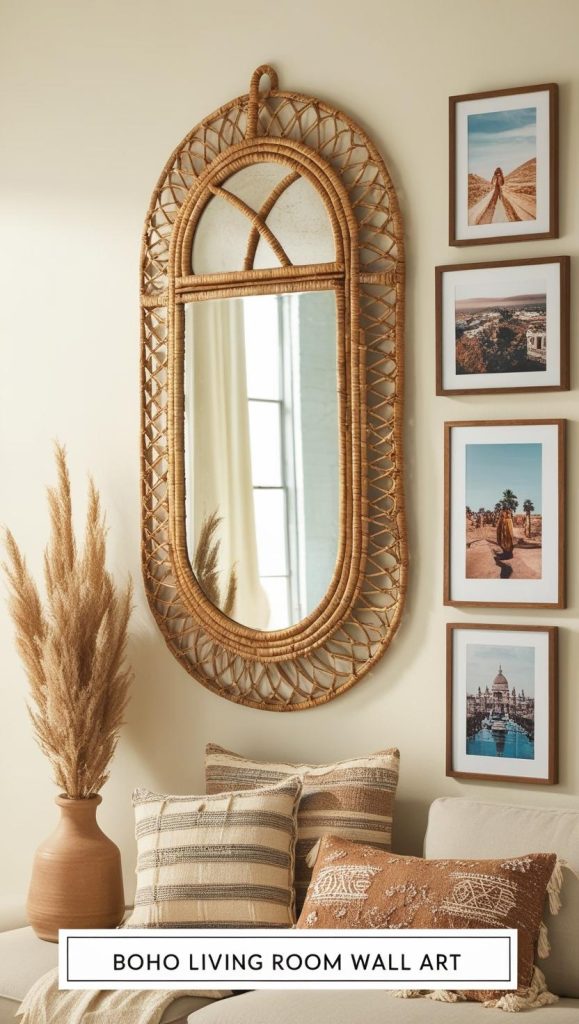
pixel 262 453
pixel 290 208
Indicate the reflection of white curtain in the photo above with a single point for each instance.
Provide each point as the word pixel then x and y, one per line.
pixel 218 450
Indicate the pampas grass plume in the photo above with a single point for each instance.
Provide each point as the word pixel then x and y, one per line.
pixel 72 644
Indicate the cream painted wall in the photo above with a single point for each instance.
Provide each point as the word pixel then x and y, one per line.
pixel 93 99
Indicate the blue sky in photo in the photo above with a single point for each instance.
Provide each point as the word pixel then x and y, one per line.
pixel 517 663
pixel 501 138
pixel 494 468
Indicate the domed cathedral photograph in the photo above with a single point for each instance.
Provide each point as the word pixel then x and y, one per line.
pixel 502 702
pixel 500 711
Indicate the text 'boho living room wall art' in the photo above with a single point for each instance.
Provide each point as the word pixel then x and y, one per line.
pixel 272 287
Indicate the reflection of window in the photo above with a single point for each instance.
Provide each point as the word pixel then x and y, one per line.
pixel 275 447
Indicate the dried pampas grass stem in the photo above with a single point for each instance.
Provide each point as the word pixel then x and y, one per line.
pixel 206 566
pixel 73 646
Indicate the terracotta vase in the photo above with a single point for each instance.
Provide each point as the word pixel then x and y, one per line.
pixel 76 876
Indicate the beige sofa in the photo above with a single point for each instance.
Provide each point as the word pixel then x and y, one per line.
pixel 456 828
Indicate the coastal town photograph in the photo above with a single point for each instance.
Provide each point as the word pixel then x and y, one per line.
pixel 500 701
pixel 504 523
pixel 501 333
pixel 502 166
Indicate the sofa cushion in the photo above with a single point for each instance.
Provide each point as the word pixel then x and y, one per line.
pixel 469 828
pixel 224 861
pixel 24 958
pixel 353 799
pixel 364 1007
pixel 356 886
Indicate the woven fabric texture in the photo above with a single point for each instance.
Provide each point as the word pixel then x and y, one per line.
pixel 356 886
pixel 353 799
pixel 223 861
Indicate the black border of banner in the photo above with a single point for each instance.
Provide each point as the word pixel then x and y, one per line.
pixel 300 981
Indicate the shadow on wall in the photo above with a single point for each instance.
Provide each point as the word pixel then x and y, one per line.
pixel 410 820
pixel 164 731
pixel 161 721
pixel 169 722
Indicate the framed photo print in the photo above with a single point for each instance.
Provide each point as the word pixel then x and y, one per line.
pixel 501 712
pixel 503 326
pixel 504 513
pixel 503 165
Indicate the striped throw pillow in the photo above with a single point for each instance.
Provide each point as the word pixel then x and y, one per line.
pixel 350 799
pixel 222 861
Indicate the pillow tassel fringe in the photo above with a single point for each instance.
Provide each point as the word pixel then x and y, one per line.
pixel 543 945
pixel 532 998
pixel 442 995
pixel 554 893
pixel 555 884
pixel 312 856
pixel 438 996
pixel 408 993
pixel 554 887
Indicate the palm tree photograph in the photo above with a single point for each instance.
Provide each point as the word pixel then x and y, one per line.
pixel 503 511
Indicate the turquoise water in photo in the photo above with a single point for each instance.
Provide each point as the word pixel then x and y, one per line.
pixel 512 744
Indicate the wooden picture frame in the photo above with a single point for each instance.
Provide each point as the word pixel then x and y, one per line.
pixel 507 190
pixel 524 737
pixel 516 564
pixel 531 288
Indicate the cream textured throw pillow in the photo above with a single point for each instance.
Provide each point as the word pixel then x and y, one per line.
pixel 352 799
pixel 223 861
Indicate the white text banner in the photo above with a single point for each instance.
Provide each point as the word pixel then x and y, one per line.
pixel 280 958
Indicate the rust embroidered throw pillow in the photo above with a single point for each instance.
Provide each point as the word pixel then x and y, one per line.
pixel 353 799
pixel 355 886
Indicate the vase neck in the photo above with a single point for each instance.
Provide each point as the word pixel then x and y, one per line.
pixel 79 815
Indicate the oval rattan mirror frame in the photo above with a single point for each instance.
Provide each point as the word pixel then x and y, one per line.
pixel 325 653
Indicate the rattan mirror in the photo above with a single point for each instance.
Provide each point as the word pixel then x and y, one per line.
pixel 274 545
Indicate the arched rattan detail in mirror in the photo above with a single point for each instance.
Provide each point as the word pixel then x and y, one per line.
pixel 325 653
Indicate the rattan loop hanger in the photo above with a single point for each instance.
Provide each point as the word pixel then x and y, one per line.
pixel 255 96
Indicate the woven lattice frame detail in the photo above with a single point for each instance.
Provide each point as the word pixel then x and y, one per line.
pixel 308 673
